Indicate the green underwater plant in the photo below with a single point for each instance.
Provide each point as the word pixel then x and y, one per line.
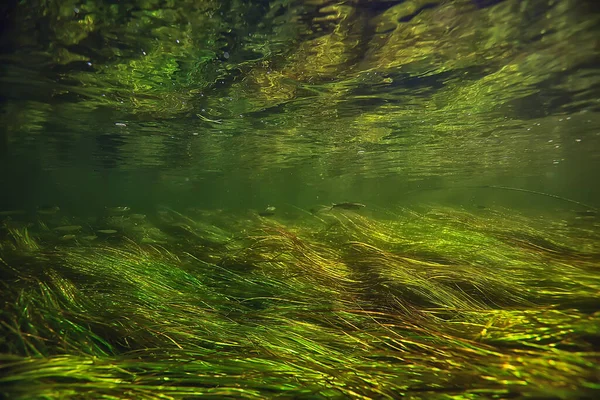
pixel 441 304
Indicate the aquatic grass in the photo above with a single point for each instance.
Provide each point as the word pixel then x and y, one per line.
pixel 42 319
pixel 283 249
pixel 292 361
pixel 478 249
pixel 340 306
pixel 22 240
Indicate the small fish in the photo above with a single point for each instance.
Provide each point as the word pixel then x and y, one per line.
pixel 117 210
pixel 67 237
pixel 587 213
pixel 267 212
pixel 68 228
pixel 11 212
pixel 347 206
pixel 90 237
pixel 107 231
pixel 48 210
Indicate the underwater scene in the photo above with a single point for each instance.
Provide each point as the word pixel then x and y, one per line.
pixel 299 199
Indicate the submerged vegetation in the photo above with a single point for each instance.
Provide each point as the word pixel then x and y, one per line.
pixel 379 111
pixel 434 304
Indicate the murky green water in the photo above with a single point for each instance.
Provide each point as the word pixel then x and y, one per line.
pixel 243 104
